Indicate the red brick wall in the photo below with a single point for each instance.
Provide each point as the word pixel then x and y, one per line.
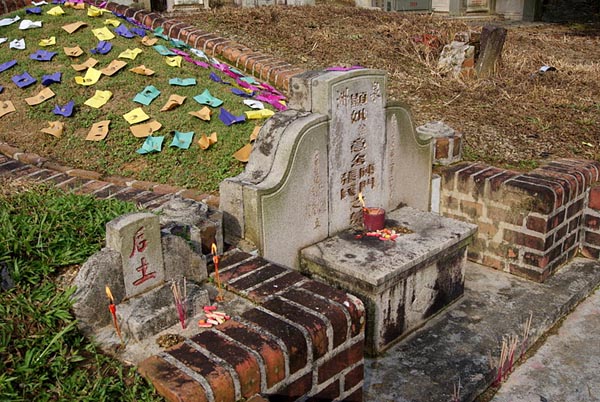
pixel 590 237
pixel 303 339
pixel 529 223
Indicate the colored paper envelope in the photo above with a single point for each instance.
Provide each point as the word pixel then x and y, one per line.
pixel 163 51
pixel 173 102
pixel 206 141
pixel 2 40
pixel 202 114
pixel 103 47
pixel 254 104
pixel 179 44
pixel 242 93
pixel 146 129
pixel 99 99
pixel 259 114
pixel 89 63
pixel 112 21
pixel 182 140
pixel 23 80
pixel 141 32
pixel 198 63
pixel 55 11
pixel 130 53
pixel 42 55
pixel 152 144
pixel 77 5
pixel 18 44
pixel 1 89
pixel 73 51
pixel 146 40
pixel 39 3
pixel 215 78
pixel 182 82
pixel 33 10
pixel 174 61
pixel 42 96
pixel 181 53
pixel 113 67
pixel 28 24
pixel 147 95
pixel 74 26
pixel 142 70
pixel 124 32
pixel 243 154
pixel 95 11
pixel 99 131
pixel 8 21
pixel 205 98
pixel 54 128
pixel 254 133
pixel 249 80
pixel 228 119
pixel 7 65
pixel 48 42
pixel 90 78
pixel 199 53
pixel 103 33
pixel 64 110
pixel 6 107
pixel 53 78
pixel 137 115
pixel 159 31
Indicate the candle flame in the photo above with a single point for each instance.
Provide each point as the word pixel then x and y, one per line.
pixel 109 294
pixel 213 249
pixel 361 199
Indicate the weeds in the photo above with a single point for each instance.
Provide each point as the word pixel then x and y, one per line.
pixel 43 356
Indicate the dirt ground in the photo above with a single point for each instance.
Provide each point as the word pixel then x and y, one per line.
pixel 515 119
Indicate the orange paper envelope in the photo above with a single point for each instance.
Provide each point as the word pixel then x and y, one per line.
pixel 99 131
pixel 6 107
pixel 42 96
pixel 54 128
pixel 113 67
pixel 144 130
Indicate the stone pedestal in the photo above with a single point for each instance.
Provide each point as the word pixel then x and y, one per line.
pixel 402 283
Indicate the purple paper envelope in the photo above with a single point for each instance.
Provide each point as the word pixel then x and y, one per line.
pixel 7 65
pixel 65 110
pixel 124 32
pixel 103 47
pixel 229 119
pixel 24 80
pixel 42 55
pixel 53 78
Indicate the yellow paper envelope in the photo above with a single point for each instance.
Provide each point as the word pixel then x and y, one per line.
pixel 70 28
pixel 48 42
pixel 130 53
pixel 137 115
pixel 95 11
pixel 89 63
pixel 259 114
pixel 6 107
pixel 55 11
pixel 90 78
pixel 254 134
pixel 42 96
pixel 173 102
pixel 99 131
pixel 144 130
pixel 73 51
pixel 112 21
pixel 148 41
pixel 113 67
pixel 76 6
pixel 202 114
pixel 243 154
pixel 54 128
pixel 99 99
pixel 142 70
pixel 103 33
pixel 206 141
pixel 174 61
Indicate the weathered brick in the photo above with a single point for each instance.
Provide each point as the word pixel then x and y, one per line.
pixel 592 222
pixel 352 304
pixel 342 360
pixel 293 391
pixel 266 347
pixel 217 376
pixel 329 393
pixel 242 269
pixel 165 189
pixel 91 186
pixel 290 335
pixel 540 261
pixel 574 224
pixel 508 215
pixel 457 145
pixel 527 240
pixel 465 177
pixel 493 262
pixel 594 198
pixel 108 191
pixel 570 241
pixel 537 224
pixel 575 208
pixel 590 251
pixel 129 195
pixel 480 180
pixel 472 209
pixel 170 382
pixel 528 273
pixel 257 276
pixel 356 396
pixel 243 362
pixel 561 233
pixel 233 258
pixel 441 148
pixel 9 166
pixel 354 377
pixel 72 184
pixel 334 314
pixel 31 158
pixel 275 286
pixel 543 198
pixel 592 238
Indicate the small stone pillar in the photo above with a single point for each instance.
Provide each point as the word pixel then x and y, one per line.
pixel 447 143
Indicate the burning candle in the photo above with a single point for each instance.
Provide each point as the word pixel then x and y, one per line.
pixel 373 218
pixel 113 311
pixel 217 278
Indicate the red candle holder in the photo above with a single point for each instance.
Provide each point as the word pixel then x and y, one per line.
pixel 373 219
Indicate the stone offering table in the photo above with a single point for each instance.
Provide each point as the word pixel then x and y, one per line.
pixel 402 283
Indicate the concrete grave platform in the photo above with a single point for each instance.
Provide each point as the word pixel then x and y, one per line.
pixel 403 282
pixel 457 346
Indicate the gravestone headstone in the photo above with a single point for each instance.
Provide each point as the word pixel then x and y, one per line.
pixel 137 238
pixel 340 138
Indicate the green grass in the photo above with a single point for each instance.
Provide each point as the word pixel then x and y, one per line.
pixel 43 356
pixel 192 168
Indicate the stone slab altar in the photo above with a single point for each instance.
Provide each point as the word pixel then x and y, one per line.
pixel 403 282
